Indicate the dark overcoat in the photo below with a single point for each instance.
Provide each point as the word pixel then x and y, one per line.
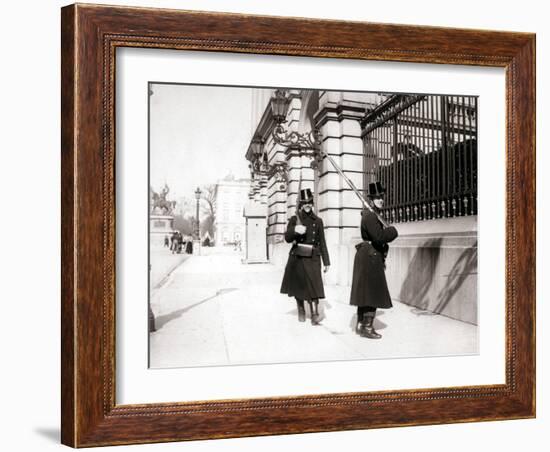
pixel 369 286
pixel 189 247
pixel 302 278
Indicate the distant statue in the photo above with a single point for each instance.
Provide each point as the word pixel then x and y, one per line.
pixel 161 202
pixel 164 192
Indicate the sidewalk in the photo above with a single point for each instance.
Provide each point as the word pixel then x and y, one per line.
pixel 162 262
pixel 214 310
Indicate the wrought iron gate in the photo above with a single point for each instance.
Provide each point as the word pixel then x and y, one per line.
pixel 423 148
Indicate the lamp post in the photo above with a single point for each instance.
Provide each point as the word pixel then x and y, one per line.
pixel 260 165
pixel 198 193
pixel 306 143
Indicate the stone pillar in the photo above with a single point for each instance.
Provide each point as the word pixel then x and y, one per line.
pixel 256 189
pixel 276 198
pixel 282 200
pixel 339 119
pixel 160 226
pixel 262 190
pixel 300 173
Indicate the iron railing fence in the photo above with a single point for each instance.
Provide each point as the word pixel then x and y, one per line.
pixel 424 151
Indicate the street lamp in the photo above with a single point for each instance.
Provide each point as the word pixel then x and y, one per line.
pixel 260 156
pixel 279 106
pixel 260 165
pixel 306 143
pixel 198 193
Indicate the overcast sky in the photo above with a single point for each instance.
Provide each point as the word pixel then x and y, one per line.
pixel 198 134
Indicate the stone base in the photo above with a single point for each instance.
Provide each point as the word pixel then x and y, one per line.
pixel 437 271
pixel 160 226
pixel 432 266
pixel 257 261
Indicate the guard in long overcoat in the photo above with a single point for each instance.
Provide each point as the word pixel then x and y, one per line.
pixel 369 289
pixel 302 278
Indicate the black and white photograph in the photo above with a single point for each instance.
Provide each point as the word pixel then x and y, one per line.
pixel 295 225
pixel 275 226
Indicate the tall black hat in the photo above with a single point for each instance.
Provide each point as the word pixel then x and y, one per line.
pixel 306 196
pixel 376 190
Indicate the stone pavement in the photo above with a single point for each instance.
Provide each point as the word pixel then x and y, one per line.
pixel 214 310
pixel 163 262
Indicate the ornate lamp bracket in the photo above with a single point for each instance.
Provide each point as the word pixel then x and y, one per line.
pixel 306 144
pixel 279 170
pixel 260 166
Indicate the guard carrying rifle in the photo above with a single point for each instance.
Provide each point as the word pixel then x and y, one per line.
pixel 302 278
pixel 369 289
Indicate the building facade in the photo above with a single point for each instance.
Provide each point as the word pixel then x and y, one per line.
pixel 423 148
pixel 231 195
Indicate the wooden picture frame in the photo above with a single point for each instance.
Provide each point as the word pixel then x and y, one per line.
pixel 90 36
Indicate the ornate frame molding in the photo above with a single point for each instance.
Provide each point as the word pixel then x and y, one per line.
pixel 90 36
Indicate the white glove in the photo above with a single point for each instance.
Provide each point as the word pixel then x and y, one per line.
pixel 300 229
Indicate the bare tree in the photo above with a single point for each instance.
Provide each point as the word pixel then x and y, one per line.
pixel 183 224
pixel 209 197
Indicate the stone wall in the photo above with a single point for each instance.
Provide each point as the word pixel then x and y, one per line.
pixel 432 266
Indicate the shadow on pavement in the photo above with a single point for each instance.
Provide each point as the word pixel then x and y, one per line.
pixel 162 320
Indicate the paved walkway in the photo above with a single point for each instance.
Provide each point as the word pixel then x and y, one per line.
pixel 214 310
pixel 162 263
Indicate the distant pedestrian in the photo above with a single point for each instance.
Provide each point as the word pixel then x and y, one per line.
pixel 302 278
pixel 369 289
pixel 189 247
pixel 166 241
pixel 174 241
pixel 179 242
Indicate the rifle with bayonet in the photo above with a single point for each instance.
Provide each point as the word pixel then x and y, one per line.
pixel 366 203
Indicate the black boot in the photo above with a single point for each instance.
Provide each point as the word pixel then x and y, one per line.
pixel 359 326
pixel 301 310
pixel 367 330
pixel 315 318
